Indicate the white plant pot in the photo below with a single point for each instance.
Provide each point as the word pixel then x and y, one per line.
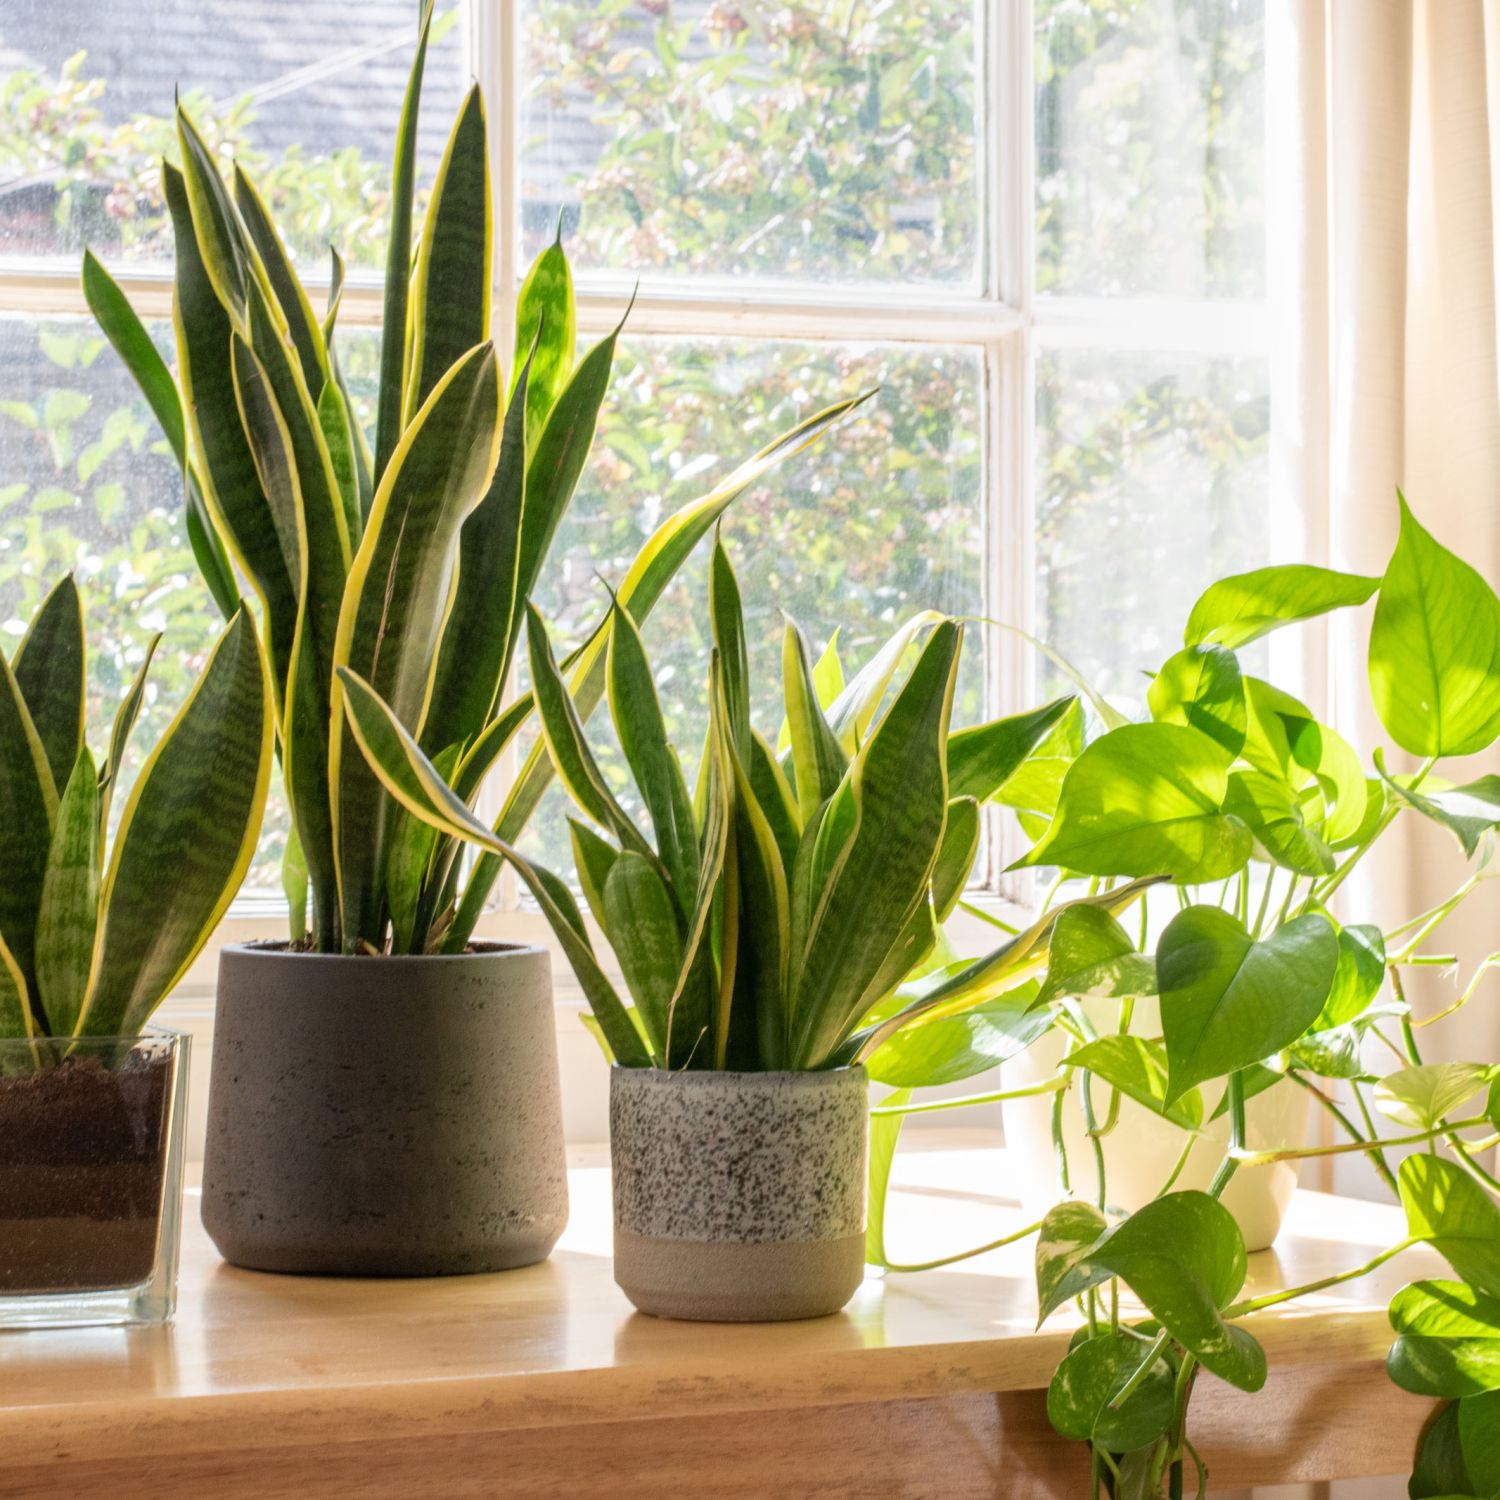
pixel 1142 1149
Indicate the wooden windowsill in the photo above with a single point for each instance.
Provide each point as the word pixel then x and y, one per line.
pixel 543 1382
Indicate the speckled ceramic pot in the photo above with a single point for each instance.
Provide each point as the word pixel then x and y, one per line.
pixel 739 1197
pixel 384 1116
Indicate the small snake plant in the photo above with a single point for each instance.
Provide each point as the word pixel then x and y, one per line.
pixel 407 564
pixel 91 944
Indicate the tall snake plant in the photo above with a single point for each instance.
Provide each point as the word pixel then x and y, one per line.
pixel 786 914
pixel 408 565
pixel 89 945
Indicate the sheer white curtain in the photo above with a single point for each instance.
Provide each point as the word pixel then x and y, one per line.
pixel 1383 195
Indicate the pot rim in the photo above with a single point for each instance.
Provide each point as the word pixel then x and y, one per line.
pixel 279 948
pixel 702 1077
pixel 152 1031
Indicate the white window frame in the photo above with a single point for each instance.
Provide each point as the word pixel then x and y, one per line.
pixel 1003 321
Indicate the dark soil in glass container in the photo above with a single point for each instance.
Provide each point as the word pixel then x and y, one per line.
pixel 82 1156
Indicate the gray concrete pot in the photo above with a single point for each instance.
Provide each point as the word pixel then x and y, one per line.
pixel 384 1116
pixel 739 1197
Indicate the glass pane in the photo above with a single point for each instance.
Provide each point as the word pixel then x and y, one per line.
pixel 810 139
pixel 1150 122
pixel 878 520
pixel 1151 482
pixel 306 96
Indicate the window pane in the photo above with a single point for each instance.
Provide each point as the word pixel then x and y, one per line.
pixel 811 139
pixel 1150 119
pixel 878 520
pixel 1151 483
pixel 305 95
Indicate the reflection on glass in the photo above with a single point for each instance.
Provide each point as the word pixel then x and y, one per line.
pixel 1150 122
pixel 810 139
pixel 1151 482
pixel 304 93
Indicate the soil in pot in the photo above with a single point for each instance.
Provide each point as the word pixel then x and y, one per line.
pixel 83 1151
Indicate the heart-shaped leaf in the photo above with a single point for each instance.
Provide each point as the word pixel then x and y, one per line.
pixel 1358 977
pixel 957 1047
pixel 1146 799
pixel 1138 1068
pixel 1448 1340
pixel 1435 649
pixel 1440 1473
pixel 1448 1208
pixel 1092 1375
pixel 1228 1001
pixel 1235 611
pixel 1468 812
pixel 1069 1231
pixel 1201 687
pixel 1479 1437
pixel 1273 812
pixel 1090 955
pixel 1420 1097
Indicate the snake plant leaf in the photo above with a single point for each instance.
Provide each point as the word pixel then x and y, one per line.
pixel 728 623
pixel 983 759
pixel 1146 799
pixel 593 858
pixel 364 459
pixel 1421 1097
pixel 563 732
pixel 450 306
pixel 641 922
pixel 1228 1000
pixel 476 761
pixel 1448 1208
pixel 393 347
pixel 546 331
pixel 51 672
pixel 409 777
pixel 853 711
pixel 761 969
pixel 828 679
pixel 1035 786
pixel 302 325
pixel 653 567
pixel 337 427
pixel 898 785
pixel 231 483
pixel 294 886
pixel 1448 1339
pixel 70 900
pixel 956 855
pixel 1235 611
pixel 1184 1257
pixel 1090 955
pixel 124 721
pixel 952 1048
pixel 1138 1068
pixel 412 842
pixel 818 760
pixel 1358 977
pixel 1069 1231
pixel 394 602
pixel 479 638
pixel 885 1135
pixel 1435 649
pixel 636 711
pixel 336 273
pixel 16 1020
pixel 186 837
pixel 1467 812
pixel 222 244
pixel 1201 686
pixel 1273 813
pixel 1092 1376
pixel 776 799
pixel 128 335
pixel 28 807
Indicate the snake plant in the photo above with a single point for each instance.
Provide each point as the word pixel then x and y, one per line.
pixel 408 563
pixel 90 944
pixel 777 912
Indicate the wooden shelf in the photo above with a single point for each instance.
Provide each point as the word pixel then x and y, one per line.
pixel 544 1382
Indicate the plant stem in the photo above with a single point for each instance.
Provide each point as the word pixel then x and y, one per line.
pixel 1290 1294
pixel 1303 1153
pixel 1141 1371
pixel 948 1260
pixel 1059 1146
pixel 1265 899
pixel 1485 966
pixel 1463 1151
pixel 1377 1159
pixel 1227 1167
pixel 1000 1096
pixel 1176 1172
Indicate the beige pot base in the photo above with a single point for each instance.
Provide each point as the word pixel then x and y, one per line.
pixel 720 1281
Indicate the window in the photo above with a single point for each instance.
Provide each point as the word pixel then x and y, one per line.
pixel 1037 225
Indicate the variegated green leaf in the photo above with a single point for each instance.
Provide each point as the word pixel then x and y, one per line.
pixel 640 920
pixel 450 308
pixel 956 855
pixel 728 621
pixel 393 603
pixel 185 838
pixel 546 321
pixel 51 672
pixel 119 734
pixel 818 760
pixel 853 711
pixel 70 900
pixel 593 858
pixel 294 886
pixel 408 859
pixel 15 1008
pixel 222 244
pixel 338 428
pixel 982 759
pixel 28 805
